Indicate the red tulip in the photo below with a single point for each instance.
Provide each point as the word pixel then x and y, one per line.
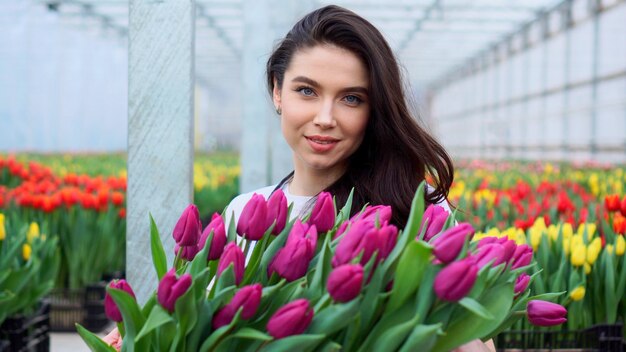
pixel 612 202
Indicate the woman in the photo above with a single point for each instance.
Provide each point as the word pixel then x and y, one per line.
pixel 337 89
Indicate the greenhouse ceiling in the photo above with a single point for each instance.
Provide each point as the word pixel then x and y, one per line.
pixel 432 38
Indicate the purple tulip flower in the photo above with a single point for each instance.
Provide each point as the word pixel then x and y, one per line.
pixel 450 243
pixel 543 313
pixel 456 280
pixel 171 288
pixel 323 213
pixel 219 237
pixel 248 298
pixel 187 229
pixel 434 217
pixel 110 308
pixel 277 211
pixel 291 319
pixel 345 282
pixel 232 255
pixel 252 222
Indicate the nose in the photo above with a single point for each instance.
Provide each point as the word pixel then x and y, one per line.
pixel 325 118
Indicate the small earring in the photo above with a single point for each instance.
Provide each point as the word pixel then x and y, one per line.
pixel 279 111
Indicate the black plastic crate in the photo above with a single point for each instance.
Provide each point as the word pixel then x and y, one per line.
pixel 602 337
pixel 84 306
pixel 27 333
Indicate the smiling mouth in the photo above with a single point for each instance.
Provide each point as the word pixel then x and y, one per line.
pixel 322 140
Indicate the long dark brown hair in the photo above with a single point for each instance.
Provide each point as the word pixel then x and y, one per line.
pixel 396 153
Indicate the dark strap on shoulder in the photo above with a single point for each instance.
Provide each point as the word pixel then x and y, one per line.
pixel 282 182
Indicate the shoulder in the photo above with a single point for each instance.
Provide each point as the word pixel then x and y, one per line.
pixel 443 203
pixel 236 205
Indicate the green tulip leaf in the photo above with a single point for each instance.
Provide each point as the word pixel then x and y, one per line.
pixel 216 336
pixel 334 317
pixel 344 213
pixel 158 317
pixel 473 306
pixel 158 253
pixel 133 319
pixel 550 296
pixel 316 287
pixel 409 273
pixel 94 343
pixel 422 338
pixel 610 300
pixel 294 343
pixel 467 326
pixel 391 339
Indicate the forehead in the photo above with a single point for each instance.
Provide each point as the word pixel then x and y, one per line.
pixel 328 64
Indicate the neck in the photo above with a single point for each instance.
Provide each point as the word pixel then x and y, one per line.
pixel 309 182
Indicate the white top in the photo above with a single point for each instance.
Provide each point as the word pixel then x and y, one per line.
pixel 299 202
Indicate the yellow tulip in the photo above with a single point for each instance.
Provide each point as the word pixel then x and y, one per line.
pixel 609 248
pixel 553 232
pixel 26 251
pixel 33 231
pixel 567 230
pixel 566 245
pixel 576 240
pixel 539 223
pixel 578 293
pixel 620 245
pixel 579 253
pixel 535 237
pixel 587 269
pixel 3 231
pixel 593 251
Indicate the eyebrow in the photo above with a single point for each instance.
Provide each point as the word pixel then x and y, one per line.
pixel 314 83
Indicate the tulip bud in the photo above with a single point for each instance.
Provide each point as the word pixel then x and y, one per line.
pixel 578 293
pixel 521 283
pixel 362 236
pixel 342 228
pixel 579 254
pixel 248 298
pixel 456 280
pixel 110 308
pixel 171 288
pixel 345 282
pixel 487 253
pixel 187 229
pixel 542 313
pixel 620 245
pixel 323 213
pixel 387 239
pixel 371 213
pixel 450 243
pixel 434 218
pixel 219 237
pixel 522 256
pixel 291 319
pixel 292 261
pixel 302 230
pixel 508 250
pixel 253 219
pixel 186 252
pixel 232 255
pixel 277 211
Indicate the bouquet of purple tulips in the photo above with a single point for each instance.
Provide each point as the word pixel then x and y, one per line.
pixel 327 282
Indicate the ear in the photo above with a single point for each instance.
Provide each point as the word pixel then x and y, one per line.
pixel 276 92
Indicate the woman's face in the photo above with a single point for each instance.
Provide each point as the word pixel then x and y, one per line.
pixel 325 107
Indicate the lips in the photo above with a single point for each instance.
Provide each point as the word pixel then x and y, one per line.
pixel 321 144
pixel 322 139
